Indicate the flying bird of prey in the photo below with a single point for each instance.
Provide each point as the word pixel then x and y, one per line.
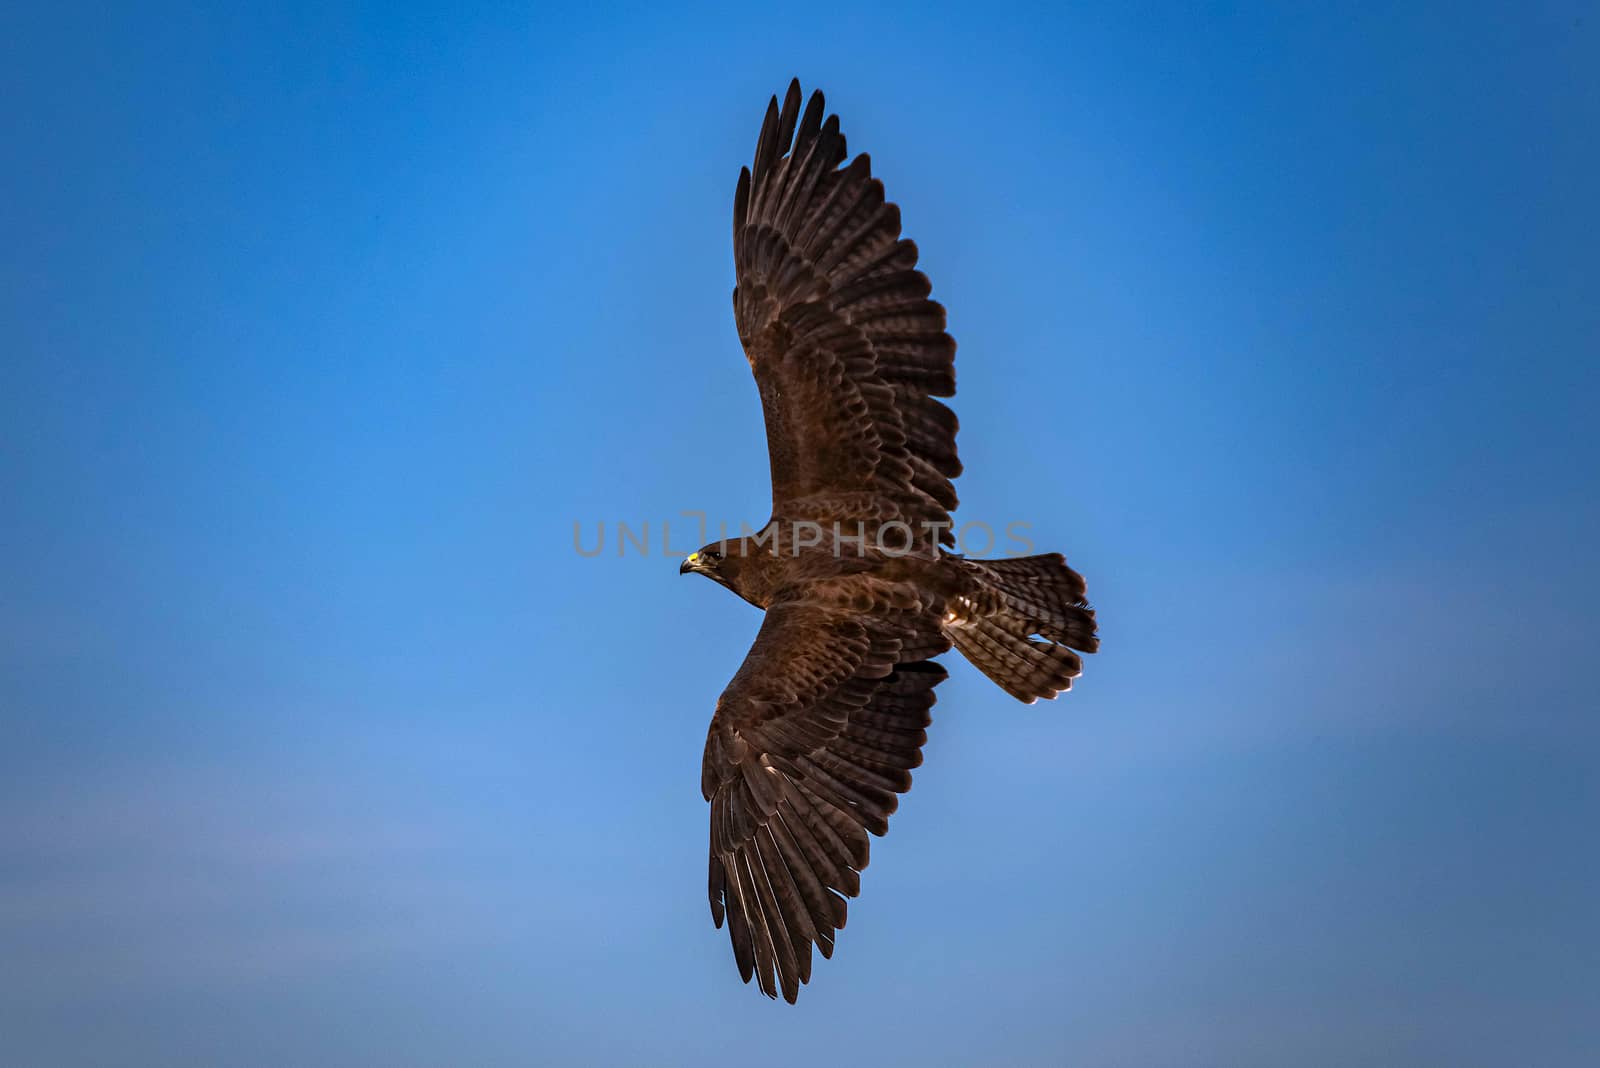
pixel 817 733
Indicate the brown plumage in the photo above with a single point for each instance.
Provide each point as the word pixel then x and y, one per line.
pixel 814 739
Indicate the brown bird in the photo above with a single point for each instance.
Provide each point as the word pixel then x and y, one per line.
pixel 817 733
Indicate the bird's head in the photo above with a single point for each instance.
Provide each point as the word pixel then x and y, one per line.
pixel 707 561
pixel 733 563
pixel 742 565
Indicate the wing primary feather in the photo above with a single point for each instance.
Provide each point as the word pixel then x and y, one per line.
pixel 716 887
pixel 741 210
pixel 738 919
pixel 766 146
pixel 789 116
pixel 760 928
pixel 811 121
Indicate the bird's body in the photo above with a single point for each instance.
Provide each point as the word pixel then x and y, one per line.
pixel 818 731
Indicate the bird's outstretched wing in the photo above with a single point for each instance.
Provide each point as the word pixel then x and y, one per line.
pixel 810 744
pixel 847 349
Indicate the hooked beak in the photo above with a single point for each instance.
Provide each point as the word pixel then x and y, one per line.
pixel 690 563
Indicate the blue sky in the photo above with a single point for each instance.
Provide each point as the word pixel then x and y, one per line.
pixel 319 330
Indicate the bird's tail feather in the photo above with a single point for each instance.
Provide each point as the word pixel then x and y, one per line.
pixel 1022 626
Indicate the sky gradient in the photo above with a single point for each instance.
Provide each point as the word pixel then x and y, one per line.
pixel 320 329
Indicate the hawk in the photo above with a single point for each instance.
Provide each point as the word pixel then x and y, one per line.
pixel 814 739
